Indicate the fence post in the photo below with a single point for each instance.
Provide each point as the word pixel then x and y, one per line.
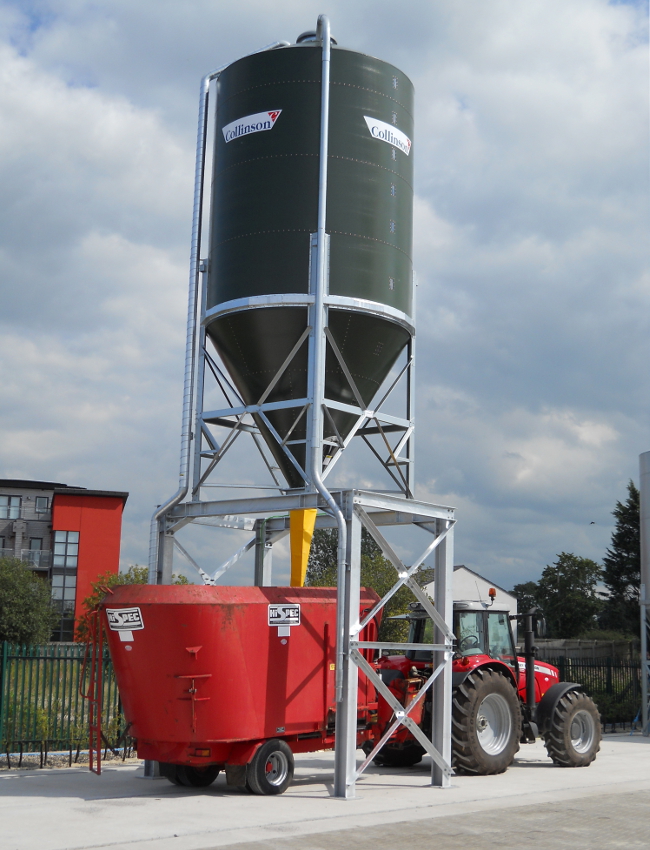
pixel 608 685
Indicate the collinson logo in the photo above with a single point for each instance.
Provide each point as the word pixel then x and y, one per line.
pixel 387 133
pixel 251 124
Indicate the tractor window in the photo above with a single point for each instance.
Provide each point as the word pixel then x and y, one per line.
pixel 468 628
pixel 500 637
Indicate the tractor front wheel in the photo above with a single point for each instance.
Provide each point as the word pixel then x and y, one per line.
pixel 574 735
pixel 271 768
pixel 486 724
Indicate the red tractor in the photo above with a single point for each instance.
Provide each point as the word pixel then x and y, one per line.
pixel 499 700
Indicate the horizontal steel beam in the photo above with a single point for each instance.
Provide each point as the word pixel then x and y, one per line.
pixel 375 644
pixel 391 510
pixel 210 415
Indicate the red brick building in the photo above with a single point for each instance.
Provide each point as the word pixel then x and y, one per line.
pixel 67 535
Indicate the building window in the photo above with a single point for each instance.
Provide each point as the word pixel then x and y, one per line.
pixel 66 549
pixel 64 581
pixel 42 504
pixel 9 507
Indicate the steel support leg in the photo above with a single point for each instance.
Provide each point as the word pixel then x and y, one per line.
pixel 441 698
pixel 165 557
pixel 345 755
pixel 263 556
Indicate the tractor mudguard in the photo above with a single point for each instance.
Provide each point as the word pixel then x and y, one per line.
pixel 548 703
pixel 458 677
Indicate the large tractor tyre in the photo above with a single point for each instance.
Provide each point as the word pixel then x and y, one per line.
pixel 271 768
pixel 574 735
pixel 399 757
pixel 486 724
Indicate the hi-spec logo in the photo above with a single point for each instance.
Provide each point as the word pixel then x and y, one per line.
pixel 387 133
pixel 284 615
pixel 251 124
pixel 124 619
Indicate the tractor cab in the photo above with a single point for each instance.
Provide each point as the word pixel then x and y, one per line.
pixel 480 629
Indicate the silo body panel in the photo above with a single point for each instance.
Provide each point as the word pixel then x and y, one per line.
pixel 264 208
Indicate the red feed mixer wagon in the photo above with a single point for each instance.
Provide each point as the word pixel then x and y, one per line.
pixel 230 678
pixel 242 678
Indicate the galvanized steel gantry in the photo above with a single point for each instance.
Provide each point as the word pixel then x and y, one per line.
pixel 306 296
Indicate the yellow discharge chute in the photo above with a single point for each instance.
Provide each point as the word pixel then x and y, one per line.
pixel 301 531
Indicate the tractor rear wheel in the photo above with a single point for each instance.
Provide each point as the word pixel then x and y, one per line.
pixel 486 724
pixel 271 768
pixel 574 737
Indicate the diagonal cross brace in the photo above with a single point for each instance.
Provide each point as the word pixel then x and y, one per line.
pixel 346 371
pixel 284 366
pixel 401 713
pixel 405 574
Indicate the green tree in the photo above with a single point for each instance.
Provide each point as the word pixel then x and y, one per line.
pixel 528 596
pixel 26 614
pixel 377 572
pixel 567 595
pixel 622 562
pixel 104 583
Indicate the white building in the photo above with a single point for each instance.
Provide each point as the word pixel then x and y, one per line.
pixel 469 586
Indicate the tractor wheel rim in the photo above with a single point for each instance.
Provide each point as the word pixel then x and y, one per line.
pixel 494 724
pixel 582 731
pixel 276 768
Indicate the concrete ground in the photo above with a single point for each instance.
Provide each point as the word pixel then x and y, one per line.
pixel 604 806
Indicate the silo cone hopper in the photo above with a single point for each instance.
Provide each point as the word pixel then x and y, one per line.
pixel 264 212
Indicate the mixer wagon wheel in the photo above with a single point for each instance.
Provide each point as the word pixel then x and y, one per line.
pixel 271 768
pixel 170 772
pixel 574 737
pixel 188 776
pixel 197 777
pixel 486 723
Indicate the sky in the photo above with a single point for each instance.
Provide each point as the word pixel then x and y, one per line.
pixel 531 252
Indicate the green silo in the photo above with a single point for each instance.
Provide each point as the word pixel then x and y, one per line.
pixel 264 208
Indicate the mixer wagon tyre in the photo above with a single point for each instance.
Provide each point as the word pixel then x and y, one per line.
pixel 574 735
pixel 271 769
pixel 486 724
pixel 170 772
pixel 197 777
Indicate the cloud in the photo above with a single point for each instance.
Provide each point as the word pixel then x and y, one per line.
pixel 530 248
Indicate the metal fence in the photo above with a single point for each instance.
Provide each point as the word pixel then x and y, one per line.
pixel 614 685
pixel 41 706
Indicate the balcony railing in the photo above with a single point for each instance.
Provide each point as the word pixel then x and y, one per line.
pixel 28 512
pixel 39 559
pixel 7 553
